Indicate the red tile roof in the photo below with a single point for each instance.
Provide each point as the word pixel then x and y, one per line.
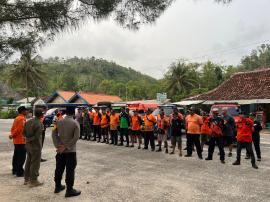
pixel 93 98
pixel 241 86
pixel 66 94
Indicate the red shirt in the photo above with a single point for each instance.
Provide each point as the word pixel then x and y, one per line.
pixel 244 130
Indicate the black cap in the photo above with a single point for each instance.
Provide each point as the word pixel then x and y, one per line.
pixel 21 109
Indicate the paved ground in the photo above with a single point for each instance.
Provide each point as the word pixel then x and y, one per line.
pixel 108 173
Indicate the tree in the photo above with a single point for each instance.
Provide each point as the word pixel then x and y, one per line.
pixel 48 17
pixel 212 75
pixel 69 82
pixel 178 79
pixel 259 58
pixel 27 73
pixel 229 71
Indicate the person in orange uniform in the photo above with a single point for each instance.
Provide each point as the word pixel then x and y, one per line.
pixel 217 125
pixel 163 125
pixel 244 139
pixel 19 155
pixel 104 124
pixel 136 122
pixel 205 130
pixel 96 124
pixel 149 123
pixel 193 127
pixel 114 123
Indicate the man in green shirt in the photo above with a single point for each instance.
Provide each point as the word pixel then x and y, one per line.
pixel 124 125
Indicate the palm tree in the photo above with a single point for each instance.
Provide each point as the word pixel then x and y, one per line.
pixel 28 74
pixel 179 79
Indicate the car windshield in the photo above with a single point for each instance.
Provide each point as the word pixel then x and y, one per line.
pixel 232 111
pixel 166 110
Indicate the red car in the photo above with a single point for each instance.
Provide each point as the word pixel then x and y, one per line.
pixel 233 109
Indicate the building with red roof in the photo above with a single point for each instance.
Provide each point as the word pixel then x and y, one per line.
pixel 249 89
pixel 253 86
pixel 91 98
pixel 60 97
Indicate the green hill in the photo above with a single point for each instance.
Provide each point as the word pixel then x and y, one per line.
pixel 98 75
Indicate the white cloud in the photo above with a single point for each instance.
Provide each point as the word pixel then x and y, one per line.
pixel 196 30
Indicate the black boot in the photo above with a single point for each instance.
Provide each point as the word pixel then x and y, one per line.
pixel 159 149
pixel 72 192
pixel 254 166
pixel 236 163
pixel 59 188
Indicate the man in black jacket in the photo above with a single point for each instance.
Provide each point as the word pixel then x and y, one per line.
pixel 177 125
pixel 255 137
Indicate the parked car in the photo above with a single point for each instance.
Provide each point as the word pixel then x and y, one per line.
pixel 233 109
pixel 49 116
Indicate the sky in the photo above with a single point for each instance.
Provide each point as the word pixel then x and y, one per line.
pixel 194 30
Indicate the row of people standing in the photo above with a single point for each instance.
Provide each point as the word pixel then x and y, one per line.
pixel 214 129
pixel 220 129
pixel 107 125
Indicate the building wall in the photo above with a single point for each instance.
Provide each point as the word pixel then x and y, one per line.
pixel 79 101
pixel 58 100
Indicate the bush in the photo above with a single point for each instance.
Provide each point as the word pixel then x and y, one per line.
pixel 8 115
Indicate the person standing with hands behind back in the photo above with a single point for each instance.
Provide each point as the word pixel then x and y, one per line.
pixel 65 137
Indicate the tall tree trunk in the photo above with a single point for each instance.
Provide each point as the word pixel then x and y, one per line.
pixel 26 85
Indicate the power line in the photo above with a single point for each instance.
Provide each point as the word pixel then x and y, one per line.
pixel 226 51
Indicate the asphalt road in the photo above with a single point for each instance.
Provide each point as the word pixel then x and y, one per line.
pixel 109 173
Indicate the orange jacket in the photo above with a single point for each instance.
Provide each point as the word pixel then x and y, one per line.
pixel 17 129
pixel 149 122
pixel 244 130
pixel 205 129
pixel 163 123
pixel 135 123
pixel 105 121
pixel 114 122
pixel 96 119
